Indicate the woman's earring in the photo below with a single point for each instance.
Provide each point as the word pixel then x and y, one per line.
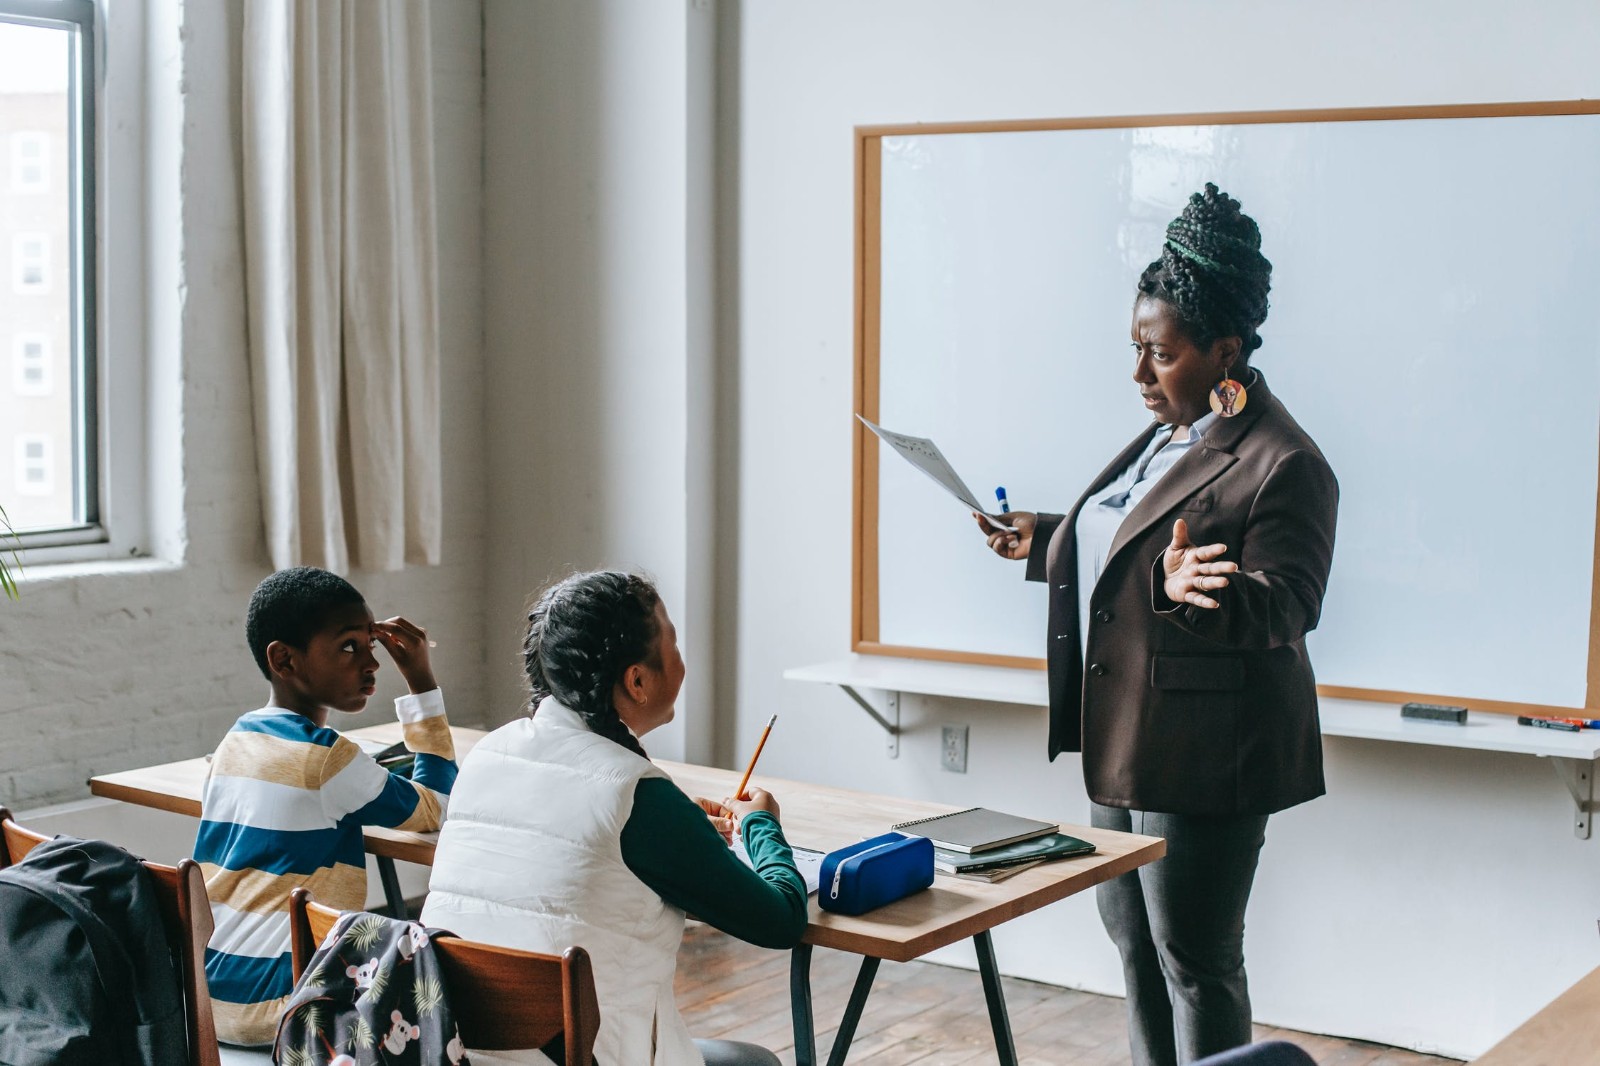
pixel 1229 397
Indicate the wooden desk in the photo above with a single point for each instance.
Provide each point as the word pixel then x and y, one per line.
pixel 953 909
pixel 1563 1034
pixel 814 816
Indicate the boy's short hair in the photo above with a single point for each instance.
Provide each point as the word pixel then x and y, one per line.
pixel 292 605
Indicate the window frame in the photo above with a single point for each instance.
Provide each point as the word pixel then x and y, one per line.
pixel 87 537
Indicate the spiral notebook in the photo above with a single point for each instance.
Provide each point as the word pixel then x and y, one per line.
pixel 977 829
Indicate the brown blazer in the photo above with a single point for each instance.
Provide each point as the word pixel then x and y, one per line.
pixel 1183 709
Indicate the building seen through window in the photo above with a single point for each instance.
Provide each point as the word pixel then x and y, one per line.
pixel 45 418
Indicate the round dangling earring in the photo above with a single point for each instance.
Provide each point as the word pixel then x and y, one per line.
pixel 1228 397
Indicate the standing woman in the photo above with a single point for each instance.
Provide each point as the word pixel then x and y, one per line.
pixel 1181 587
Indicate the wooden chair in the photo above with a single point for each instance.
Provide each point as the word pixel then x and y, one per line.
pixel 503 999
pixel 186 913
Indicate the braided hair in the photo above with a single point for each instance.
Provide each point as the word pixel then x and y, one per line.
pixel 1212 272
pixel 583 634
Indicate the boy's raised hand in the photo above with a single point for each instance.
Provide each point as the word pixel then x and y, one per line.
pixel 407 644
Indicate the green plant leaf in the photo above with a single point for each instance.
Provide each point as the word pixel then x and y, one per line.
pixel 8 583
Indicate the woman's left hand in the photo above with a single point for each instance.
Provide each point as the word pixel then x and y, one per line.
pixel 720 816
pixel 1191 571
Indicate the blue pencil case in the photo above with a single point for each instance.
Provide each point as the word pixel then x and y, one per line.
pixel 866 875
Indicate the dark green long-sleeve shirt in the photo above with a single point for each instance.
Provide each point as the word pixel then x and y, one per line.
pixel 670 845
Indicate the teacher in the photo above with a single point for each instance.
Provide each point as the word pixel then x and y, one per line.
pixel 1182 585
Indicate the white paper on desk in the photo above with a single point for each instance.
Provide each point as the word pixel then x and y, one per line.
pixel 925 455
pixel 807 861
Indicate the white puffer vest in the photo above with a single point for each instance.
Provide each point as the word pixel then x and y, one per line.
pixel 530 857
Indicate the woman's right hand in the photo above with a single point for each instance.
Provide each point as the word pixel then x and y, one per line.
pixel 760 800
pixel 1009 545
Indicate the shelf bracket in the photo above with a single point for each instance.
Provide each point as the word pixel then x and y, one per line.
pixel 891 724
pixel 1578 776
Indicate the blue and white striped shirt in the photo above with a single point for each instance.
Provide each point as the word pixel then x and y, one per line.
pixel 283 807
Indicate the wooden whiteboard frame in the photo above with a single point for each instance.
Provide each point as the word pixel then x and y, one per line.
pixel 868 293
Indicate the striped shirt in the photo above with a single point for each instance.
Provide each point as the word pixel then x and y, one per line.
pixel 283 807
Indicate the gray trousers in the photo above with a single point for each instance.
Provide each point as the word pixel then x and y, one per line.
pixel 1179 925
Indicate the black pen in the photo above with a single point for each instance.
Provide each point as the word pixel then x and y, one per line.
pixel 1549 723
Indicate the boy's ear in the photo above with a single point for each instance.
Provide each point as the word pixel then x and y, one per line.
pixel 280 658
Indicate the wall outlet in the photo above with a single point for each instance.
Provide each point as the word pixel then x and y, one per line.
pixel 953 748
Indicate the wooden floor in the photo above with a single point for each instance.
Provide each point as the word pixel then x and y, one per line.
pixel 729 989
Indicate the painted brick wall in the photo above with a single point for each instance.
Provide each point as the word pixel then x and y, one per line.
pixel 114 666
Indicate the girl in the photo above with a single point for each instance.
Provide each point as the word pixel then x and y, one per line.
pixel 562 832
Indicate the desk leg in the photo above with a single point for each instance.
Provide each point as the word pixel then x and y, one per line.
pixel 999 1020
pixel 391 888
pixel 805 1029
pixel 852 1011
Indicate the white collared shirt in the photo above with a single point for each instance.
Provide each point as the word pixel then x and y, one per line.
pixel 1103 512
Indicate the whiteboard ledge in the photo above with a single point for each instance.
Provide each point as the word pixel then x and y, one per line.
pixel 1340 717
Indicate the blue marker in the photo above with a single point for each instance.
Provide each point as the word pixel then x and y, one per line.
pixel 1000 494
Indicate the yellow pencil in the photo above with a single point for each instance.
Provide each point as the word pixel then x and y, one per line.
pixel 738 793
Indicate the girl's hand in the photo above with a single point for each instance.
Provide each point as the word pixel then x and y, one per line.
pixel 407 644
pixel 760 800
pixel 721 818
pixel 1191 572
pixel 1009 545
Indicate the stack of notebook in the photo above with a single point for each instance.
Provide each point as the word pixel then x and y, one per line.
pixel 984 845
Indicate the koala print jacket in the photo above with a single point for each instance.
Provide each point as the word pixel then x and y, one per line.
pixel 372 995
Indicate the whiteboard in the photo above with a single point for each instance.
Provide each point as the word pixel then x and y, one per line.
pixel 1433 326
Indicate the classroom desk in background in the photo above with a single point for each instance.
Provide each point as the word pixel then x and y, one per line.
pixel 814 816
pixel 1566 1033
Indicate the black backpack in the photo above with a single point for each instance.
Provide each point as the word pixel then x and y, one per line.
pixel 86 972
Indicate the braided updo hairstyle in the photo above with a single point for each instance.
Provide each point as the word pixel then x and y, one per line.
pixel 584 632
pixel 1212 272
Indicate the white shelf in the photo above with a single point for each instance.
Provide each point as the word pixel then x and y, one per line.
pixel 1572 754
pixel 1340 718
pixel 1483 731
pixel 996 684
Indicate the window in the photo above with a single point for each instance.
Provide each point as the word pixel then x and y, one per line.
pixel 30 365
pixel 30 264
pixel 30 162
pixel 48 311
pixel 33 466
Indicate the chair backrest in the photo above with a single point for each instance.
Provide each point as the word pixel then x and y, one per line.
pixel 503 999
pixel 186 913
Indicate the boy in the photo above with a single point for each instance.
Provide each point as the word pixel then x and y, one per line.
pixel 286 796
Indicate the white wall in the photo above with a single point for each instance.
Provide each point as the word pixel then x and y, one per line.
pixel 128 664
pixel 1432 899
pixel 597 318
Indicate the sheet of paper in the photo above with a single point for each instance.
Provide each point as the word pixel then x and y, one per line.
pixel 807 861
pixel 925 455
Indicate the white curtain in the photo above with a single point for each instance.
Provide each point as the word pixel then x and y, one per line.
pixel 341 280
